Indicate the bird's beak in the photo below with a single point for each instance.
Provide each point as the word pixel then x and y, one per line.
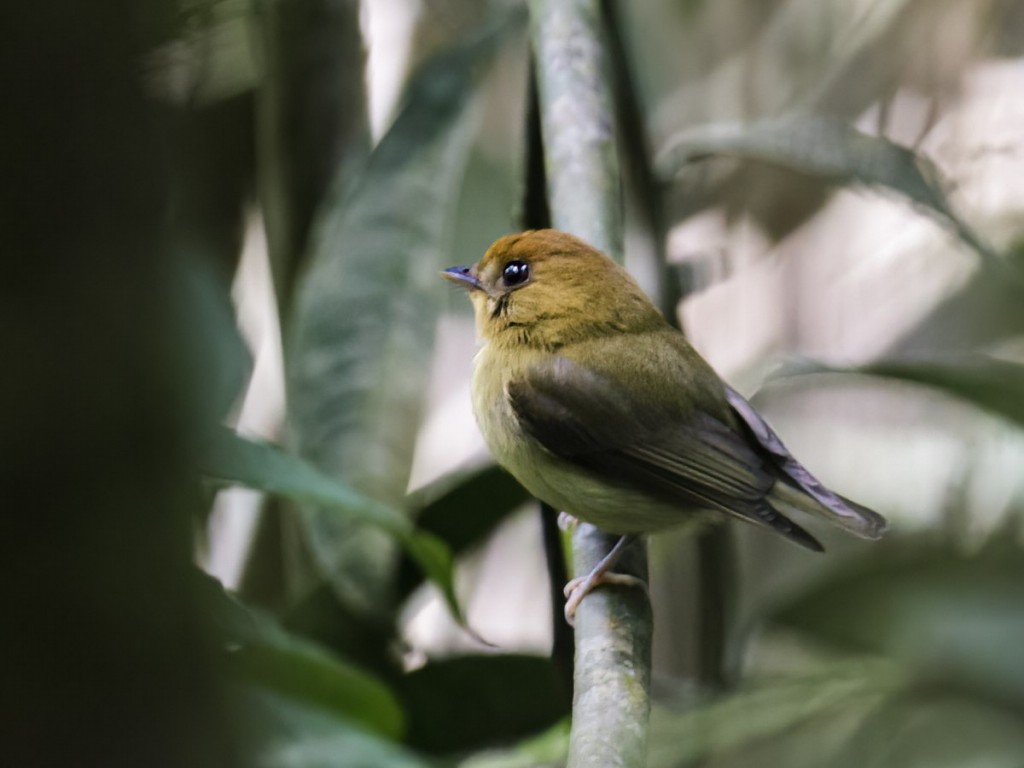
pixel 463 276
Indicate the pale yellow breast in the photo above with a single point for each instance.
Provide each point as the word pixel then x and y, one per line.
pixel 491 405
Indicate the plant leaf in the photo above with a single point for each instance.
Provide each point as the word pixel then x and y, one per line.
pixel 463 509
pixel 360 348
pixel 435 559
pixel 548 749
pixel 489 699
pixel 956 617
pixel 768 709
pixel 994 385
pixel 935 729
pixel 256 464
pixel 284 733
pixel 232 458
pixel 832 150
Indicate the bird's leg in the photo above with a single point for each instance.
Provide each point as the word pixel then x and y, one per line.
pixel 581 586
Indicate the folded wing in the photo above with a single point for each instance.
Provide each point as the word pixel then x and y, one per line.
pixel 678 454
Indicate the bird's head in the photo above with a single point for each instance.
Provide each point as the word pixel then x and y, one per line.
pixel 546 288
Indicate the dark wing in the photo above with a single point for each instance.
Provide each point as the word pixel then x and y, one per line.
pixel 838 510
pixel 687 458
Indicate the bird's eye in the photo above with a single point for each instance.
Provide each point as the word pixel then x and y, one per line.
pixel 516 273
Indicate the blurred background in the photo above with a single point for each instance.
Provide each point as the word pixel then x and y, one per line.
pixel 221 212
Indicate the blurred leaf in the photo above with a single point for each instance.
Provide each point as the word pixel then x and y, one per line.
pixel 890 724
pixel 359 352
pixel 928 729
pixel 216 364
pixel 986 310
pixel 256 464
pixel 306 673
pixel 212 60
pixel 955 617
pixel 995 385
pixel 830 149
pixel 433 556
pixel 488 700
pixel 462 510
pixel 767 710
pixel 235 459
pixel 313 122
pixel 318 615
pixel 283 733
pixel 821 146
pixel 264 655
pixel 548 749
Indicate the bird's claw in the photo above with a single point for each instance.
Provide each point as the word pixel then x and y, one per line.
pixel 578 588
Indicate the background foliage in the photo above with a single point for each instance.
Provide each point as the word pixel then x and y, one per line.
pixel 221 212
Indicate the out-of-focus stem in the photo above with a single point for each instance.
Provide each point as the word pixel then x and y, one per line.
pixel 577 121
pixel 613 625
pixel 647 190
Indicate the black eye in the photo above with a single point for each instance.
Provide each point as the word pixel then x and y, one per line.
pixel 516 273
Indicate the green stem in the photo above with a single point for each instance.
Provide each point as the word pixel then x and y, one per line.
pixel 577 120
pixel 611 700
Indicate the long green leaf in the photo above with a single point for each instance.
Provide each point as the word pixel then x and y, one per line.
pixel 231 458
pixel 462 510
pixel 459 512
pixel 256 464
pixel 831 149
pixel 994 385
pixel 359 352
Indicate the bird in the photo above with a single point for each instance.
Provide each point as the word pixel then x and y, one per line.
pixel 598 406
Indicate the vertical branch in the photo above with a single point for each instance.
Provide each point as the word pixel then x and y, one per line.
pixel 613 626
pixel 579 143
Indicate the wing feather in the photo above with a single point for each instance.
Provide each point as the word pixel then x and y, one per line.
pixel 678 455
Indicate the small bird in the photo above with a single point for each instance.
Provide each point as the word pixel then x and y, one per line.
pixel 602 409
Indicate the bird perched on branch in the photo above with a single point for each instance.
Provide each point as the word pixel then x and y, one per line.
pixel 602 409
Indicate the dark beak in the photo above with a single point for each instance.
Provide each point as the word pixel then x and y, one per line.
pixel 461 275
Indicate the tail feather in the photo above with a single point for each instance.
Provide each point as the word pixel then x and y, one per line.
pixel 798 488
pixel 771 517
pixel 823 503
